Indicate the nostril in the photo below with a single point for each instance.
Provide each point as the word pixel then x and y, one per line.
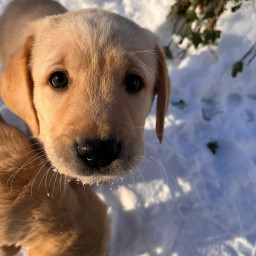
pixel 87 152
pixel 109 151
pixel 85 149
pixel 98 153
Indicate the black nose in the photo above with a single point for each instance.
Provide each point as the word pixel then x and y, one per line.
pixel 98 153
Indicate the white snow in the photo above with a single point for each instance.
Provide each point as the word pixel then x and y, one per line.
pixel 183 200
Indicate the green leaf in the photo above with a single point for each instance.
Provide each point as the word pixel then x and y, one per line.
pixel 194 3
pixel 209 11
pixel 175 10
pixel 213 146
pixel 217 33
pixel 210 36
pixel 237 67
pixel 196 38
pixel 236 7
pixel 191 16
pixel 209 14
pixel 180 8
pixel 168 52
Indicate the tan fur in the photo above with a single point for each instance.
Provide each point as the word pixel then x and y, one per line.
pixel 71 221
pixel 96 49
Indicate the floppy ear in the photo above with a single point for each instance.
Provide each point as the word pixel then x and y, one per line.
pixel 163 91
pixel 16 86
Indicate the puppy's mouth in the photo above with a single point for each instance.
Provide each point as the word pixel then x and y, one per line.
pixel 103 167
pixel 89 175
pixel 90 161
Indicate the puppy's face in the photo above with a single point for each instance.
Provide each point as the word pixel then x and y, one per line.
pixel 94 76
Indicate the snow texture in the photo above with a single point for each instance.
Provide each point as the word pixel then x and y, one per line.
pixel 183 199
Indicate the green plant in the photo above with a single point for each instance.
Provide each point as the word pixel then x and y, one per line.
pixel 238 66
pixel 194 23
pixel 213 146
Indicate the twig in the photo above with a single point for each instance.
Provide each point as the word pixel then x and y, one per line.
pixel 176 30
pixel 218 11
pixel 251 59
pixel 249 52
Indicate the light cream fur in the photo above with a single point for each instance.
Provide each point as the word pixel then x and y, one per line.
pixel 96 49
pixel 45 213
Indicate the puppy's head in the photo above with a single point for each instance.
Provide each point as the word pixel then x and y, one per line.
pixel 85 82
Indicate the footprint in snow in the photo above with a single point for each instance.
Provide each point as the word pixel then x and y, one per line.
pixel 234 99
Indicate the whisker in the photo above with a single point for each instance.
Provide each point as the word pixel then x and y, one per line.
pixel 12 177
pixel 164 170
pixel 43 177
pixel 152 52
pixel 30 144
pixel 159 162
pixel 150 71
pixel 45 181
pixel 133 168
pixel 141 174
pixel 60 182
pixel 34 150
pixel 143 159
pixel 33 166
pixel 132 177
pixel 31 189
pixel 65 182
pixel 51 178
pixel 54 184
pixel 143 51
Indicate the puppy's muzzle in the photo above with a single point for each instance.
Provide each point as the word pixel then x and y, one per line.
pixel 98 153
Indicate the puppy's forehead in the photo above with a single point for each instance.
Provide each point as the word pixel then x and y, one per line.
pixel 90 32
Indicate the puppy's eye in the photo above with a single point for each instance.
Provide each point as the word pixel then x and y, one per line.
pixel 59 80
pixel 133 83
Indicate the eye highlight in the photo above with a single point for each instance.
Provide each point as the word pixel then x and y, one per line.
pixel 59 80
pixel 133 83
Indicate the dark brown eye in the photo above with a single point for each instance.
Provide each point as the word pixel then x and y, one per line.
pixel 133 83
pixel 59 80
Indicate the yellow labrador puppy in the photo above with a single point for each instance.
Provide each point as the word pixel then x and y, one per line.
pixel 84 82
pixel 49 216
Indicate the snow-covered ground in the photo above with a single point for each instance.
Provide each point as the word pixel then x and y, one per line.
pixel 183 200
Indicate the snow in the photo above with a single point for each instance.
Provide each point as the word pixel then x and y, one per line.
pixel 182 199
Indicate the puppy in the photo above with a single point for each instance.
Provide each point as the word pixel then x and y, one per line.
pixel 47 215
pixel 84 82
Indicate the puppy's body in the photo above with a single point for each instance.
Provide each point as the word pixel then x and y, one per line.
pixel 43 213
